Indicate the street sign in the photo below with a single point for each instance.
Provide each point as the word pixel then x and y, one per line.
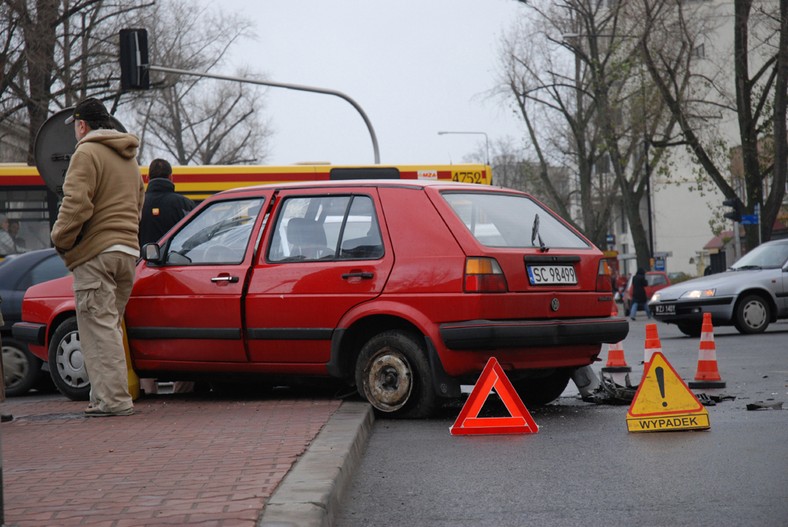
pixel 663 402
pixel 749 219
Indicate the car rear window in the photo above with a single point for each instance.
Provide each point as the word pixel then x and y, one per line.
pixel 508 220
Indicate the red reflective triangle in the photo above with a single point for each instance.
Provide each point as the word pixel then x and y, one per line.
pixel 469 422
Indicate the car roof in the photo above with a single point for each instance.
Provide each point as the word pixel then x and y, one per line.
pixel 371 183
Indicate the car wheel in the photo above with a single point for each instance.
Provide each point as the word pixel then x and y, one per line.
pixel 690 329
pixel 393 374
pixel 22 369
pixel 752 314
pixel 542 389
pixel 66 362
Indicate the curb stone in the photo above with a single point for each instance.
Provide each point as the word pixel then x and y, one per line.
pixel 310 494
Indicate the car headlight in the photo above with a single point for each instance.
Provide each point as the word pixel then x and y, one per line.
pixel 655 297
pixel 699 293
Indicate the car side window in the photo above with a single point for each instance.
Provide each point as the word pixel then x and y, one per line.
pixel 326 228
pixel 219 234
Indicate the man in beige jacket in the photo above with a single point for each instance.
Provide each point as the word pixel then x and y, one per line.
pixel 96 235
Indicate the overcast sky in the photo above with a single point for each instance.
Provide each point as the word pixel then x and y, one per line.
pixel 415 66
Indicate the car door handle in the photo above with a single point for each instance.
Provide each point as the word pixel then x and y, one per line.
pixel 225 278
pixel 364 275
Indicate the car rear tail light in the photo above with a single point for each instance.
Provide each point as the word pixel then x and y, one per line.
pixel 484 275
pixel 603 275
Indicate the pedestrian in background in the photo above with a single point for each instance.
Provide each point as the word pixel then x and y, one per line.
pixel 19 242
pixel 7 245
pixel 639 294
pixel 96 234
pixel 163 208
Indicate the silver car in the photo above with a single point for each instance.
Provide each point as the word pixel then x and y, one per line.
pixel 749 295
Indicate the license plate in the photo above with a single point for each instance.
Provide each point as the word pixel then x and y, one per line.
pixel 551 274
pixel 665 309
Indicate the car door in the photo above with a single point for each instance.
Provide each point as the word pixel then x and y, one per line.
pixel 187 306
pixel 323 253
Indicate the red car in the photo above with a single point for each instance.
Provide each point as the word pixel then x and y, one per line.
pixel 403 289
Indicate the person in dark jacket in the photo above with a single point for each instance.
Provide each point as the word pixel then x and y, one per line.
pixel 163 207
pixel 639 294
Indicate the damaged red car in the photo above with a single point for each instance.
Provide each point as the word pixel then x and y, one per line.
pixel 401 289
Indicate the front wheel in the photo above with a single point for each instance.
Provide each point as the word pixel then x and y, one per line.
pixel 752 315
pixel 393 374
pixel 66 362
pixel 543 387
pixel 21 369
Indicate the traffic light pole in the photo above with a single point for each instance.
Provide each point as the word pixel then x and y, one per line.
pixel 297 87
pixel 736 240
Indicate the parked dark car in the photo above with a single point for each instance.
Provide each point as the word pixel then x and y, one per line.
pixel 22 369
pixel 750 295
pixel 403 289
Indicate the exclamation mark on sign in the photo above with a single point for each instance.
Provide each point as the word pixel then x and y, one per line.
pixel 660 373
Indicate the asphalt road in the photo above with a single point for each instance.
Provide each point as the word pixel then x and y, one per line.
pixel 584 468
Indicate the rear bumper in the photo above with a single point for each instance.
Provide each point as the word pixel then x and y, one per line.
pixel 492 334
pixel 30 332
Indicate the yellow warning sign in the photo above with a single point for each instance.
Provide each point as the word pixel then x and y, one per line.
pixel 663 402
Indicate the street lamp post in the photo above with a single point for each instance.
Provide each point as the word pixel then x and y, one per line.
pixel 486 140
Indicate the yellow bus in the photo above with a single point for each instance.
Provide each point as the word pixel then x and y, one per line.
pixel 24 196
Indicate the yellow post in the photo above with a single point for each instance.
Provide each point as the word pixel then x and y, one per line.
pixel 134 381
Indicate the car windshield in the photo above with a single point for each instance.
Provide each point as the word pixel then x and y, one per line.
pixel 767 256
pixel 507 220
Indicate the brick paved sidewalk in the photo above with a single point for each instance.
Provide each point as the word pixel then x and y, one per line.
pixel 176 461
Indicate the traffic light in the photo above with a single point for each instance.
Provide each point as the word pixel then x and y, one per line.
pixel 134 73
pixel 738 208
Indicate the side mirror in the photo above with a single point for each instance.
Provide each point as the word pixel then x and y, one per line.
pixel 151 252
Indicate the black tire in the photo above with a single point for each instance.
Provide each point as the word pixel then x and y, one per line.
pixel 393 374
pixel 753 314
pixel 66 363
pixel 691 329
pixel 21 369
pixel 544 388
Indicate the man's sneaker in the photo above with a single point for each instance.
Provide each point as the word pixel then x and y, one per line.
pixel 93 411
pixel 6 418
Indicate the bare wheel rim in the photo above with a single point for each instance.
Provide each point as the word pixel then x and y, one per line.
pixel 754 314
pixel 70 362
pixel 388 380
pixel 15 366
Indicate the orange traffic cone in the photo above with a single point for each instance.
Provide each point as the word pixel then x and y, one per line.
pixel 616 362
pixel 707 376
pixel 652 344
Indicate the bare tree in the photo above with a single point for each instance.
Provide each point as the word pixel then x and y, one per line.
pixel 55 52
pixel 757 100
pixel 194 120
pixel 576 79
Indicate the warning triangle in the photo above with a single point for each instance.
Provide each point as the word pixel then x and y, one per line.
pixel 469 422
pixel 664 402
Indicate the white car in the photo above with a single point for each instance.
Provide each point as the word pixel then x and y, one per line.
pixel 750 295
